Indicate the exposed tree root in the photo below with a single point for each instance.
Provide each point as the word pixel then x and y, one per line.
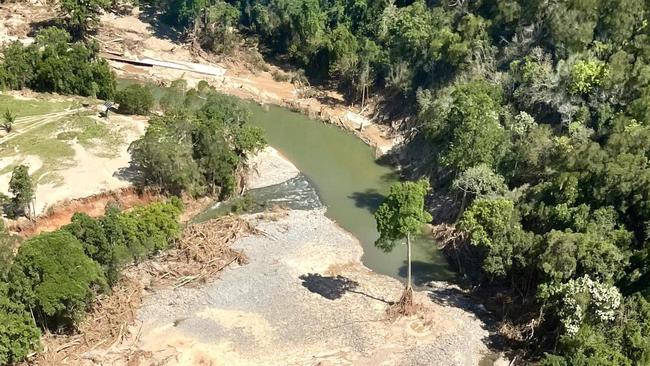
pixel 404 307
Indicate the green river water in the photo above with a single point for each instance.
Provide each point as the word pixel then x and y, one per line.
pixel 350 183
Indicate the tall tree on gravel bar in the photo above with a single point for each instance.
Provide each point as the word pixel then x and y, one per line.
pixel 400 216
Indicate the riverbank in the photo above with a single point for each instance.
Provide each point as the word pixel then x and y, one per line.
pixel 303 298
pixel 135 36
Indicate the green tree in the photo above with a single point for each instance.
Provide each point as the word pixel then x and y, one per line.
pixel 8 120
pixel 17 68
pixel 52 276
pixel 586 75
pixel 493 228
pixel 134 99
pixel 115 236
pixel 53 63
pixel 82 16
pixel 400 216
pixel 479 182
pixel 22 189
pixel 164 155
pixel 197 152
pixel 216 28
pixel 91 235
pixel 469 128
pixel 19 336
pixel 158 224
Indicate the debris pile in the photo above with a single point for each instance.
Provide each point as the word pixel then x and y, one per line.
pixel 203 251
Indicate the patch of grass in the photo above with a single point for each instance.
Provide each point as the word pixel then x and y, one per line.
pixel 51 144
pixel 54 153
pixel 24 108
pixel 94 135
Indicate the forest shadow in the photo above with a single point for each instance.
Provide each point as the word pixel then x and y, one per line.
pixel 333 287
pixel 369 200
pixel 160 29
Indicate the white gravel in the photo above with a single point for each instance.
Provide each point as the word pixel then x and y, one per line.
pixel 263 314
pixel 268 167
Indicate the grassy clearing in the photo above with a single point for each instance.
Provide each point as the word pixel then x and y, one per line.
pixel 93 134
pixel 51 140
pixel 25 108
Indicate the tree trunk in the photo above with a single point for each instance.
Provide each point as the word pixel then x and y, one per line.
pixel 405 305
pixel 462 206
pixel 409 280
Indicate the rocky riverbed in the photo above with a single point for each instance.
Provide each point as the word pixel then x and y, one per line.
pixel 305 299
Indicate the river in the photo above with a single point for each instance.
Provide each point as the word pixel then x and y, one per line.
pixel 349 182
pixel 338 171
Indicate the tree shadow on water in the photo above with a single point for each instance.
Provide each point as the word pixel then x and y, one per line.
pixel 370 199
pixel 424 272
pixel 333 287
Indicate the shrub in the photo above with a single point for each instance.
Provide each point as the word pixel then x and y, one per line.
pixel 52 276
pixel 22 189
pixel 91 235
pixel 135 99
pixel 158 225
pixel 53 63
pixel 18 333
pixel 7 246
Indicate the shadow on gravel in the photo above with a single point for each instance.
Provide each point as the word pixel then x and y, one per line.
pixel 36 26
pixel 333 287
pixel 129 174
pixel 150 15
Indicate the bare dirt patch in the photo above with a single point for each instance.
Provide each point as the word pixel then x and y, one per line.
pixel 70 153
pixel 61 213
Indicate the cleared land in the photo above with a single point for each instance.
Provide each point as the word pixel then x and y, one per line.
pixel 70 151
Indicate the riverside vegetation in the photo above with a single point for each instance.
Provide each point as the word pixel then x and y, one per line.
pixel 534 115
pixel 195 151
pixel 195 147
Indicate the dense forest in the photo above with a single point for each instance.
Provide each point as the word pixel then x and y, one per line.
pixel 537 118
pixel 54 276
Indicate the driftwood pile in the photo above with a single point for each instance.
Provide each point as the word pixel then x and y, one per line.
pixel 203 250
